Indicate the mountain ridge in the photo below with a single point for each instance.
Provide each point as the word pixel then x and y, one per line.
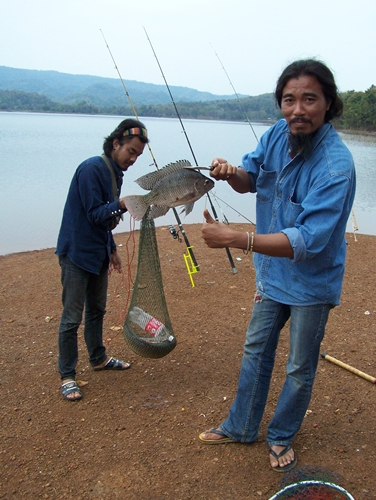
pixel 69 88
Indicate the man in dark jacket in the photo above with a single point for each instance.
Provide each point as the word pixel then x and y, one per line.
pixel 87 250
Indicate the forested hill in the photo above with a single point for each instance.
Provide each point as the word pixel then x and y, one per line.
pixel 261 108
pixel 95 90
pixel 39 95
pixel 54 92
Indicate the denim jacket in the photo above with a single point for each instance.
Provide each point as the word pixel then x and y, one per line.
pixel 310 201
pixel 90 207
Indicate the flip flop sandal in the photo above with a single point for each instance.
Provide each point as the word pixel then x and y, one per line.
pixel 70 387
pixel 277 456
pixel 216 430
pixel 113 364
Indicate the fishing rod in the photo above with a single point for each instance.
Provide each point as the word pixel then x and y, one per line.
pixel 239 101
pixel 234 270
pixel 195 266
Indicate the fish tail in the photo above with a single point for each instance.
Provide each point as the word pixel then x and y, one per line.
pixel 136 205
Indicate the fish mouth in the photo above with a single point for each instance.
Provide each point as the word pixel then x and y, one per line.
pixel 208 184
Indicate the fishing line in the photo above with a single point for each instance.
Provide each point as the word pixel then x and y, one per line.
pixel 234 270
pixel 232 208
pixel 239 101
pixel 178 220
pixel 225 219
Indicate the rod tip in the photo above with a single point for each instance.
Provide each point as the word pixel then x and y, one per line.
pixel 323 354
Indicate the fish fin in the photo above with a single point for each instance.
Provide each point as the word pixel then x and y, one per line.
pixel 148 181
pixel 188 208
pixel 158 211
pixel 137 205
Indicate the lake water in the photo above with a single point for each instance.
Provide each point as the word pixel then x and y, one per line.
pixel 40 152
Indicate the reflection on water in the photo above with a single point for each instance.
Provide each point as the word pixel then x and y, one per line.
pixel 40 152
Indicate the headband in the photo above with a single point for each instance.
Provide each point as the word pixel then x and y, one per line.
pixel 136 131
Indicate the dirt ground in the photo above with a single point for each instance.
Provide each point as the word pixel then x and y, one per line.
pixel 134 435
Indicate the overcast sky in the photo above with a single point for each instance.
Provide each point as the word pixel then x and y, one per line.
pixel 254 39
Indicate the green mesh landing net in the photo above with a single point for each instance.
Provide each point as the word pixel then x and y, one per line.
pixel 311 483
pixel 312 490
pixel 147 327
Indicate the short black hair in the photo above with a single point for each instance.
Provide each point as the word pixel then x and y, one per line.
pixel 317 69
pixel 118 133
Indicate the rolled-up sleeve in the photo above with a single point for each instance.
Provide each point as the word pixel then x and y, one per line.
pixel 297 243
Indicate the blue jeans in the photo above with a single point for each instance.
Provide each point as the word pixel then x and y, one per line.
pixel 81 289
pixel 307 327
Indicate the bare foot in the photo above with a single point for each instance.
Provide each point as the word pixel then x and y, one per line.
pixel 98 367
pixel 285 459
pixel 71 395
pixel 111 363
pixel 215 436
pixel 211 436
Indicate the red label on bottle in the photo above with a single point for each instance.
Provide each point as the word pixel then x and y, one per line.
pixel 152 326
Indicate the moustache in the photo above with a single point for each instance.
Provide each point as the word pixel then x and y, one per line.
pixel 300 120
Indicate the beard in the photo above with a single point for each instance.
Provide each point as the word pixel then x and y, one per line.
pixel 301 143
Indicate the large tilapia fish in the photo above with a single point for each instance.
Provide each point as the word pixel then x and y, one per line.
pixel 172 186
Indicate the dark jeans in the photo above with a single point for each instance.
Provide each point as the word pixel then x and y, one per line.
pixel 81 289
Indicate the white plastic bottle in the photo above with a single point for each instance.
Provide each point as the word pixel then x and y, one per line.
pixel 149 323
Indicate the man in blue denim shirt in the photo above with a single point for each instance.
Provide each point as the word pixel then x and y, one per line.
pixel 304 179
pixel 87 251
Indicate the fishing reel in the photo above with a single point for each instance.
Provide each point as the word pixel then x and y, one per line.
pixel 173 232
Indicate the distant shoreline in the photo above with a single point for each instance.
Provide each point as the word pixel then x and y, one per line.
pixel 357 132
pixel 255 122
pixel 193 226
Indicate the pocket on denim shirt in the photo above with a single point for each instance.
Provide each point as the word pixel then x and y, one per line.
pixel 265 185
pixel 291 212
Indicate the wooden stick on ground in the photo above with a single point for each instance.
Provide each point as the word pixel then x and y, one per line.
pixel 349 368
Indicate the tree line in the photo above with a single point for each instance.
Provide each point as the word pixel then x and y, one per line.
pixel 359 108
